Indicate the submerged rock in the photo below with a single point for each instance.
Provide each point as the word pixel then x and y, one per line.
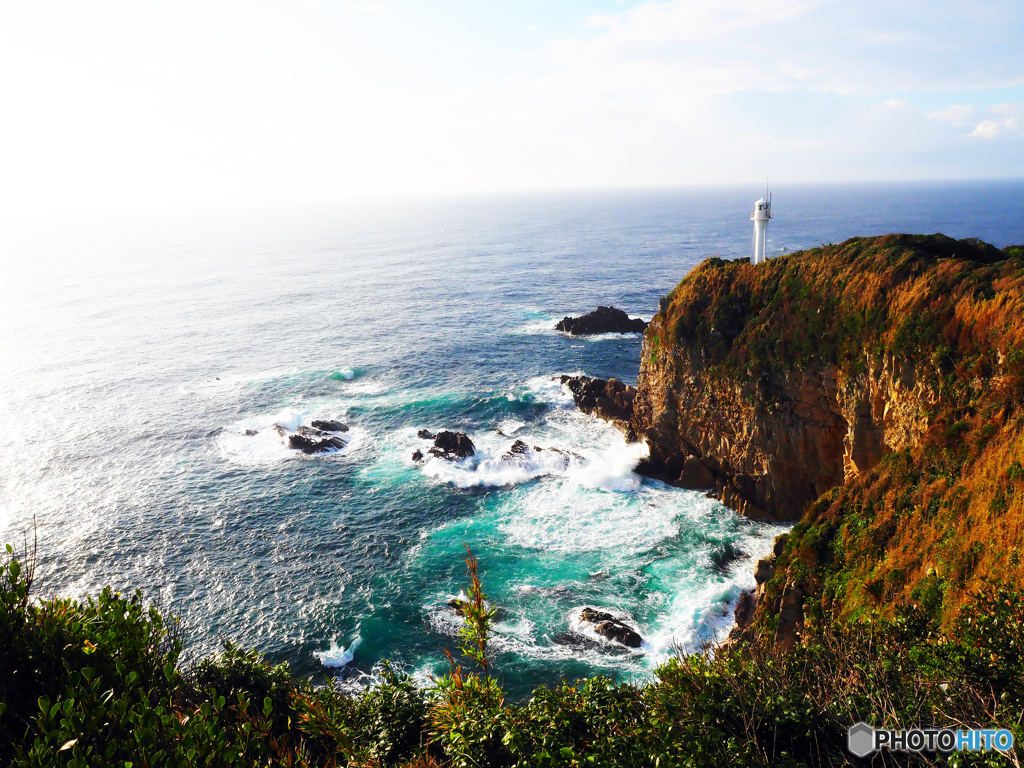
pixel 601 320
pixel 611 628
pixel 576 640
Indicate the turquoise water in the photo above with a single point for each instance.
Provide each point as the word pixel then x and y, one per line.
pixel 137 354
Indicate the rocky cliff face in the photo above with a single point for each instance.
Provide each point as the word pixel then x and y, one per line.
pixel 872 390
pixel 786 379
pixel 774 445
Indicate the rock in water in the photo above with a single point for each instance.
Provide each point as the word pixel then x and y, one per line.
pixel 608 399
pixel 452 445
pixel 601 320
pixel 611 628
pixel 312 444
pixel 425 434
pixel 329 425
pixel 520 453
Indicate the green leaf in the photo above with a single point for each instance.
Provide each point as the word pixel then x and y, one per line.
pixel 15 569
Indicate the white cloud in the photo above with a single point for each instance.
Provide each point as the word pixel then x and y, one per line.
pixel 989 129
pixel 957 114
pixel 123 104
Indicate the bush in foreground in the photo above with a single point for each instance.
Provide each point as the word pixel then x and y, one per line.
pixel 99 683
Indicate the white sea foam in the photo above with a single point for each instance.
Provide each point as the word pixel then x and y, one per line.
pixel 610 469
pixel 607 336
pixel 549 389
pixel 566 518
pixel 364 388
pixel 702 612
pixel 576 447
pixel 535 327
pixel 289 419
pixel 264 439
pixel 511 426
pixel 338 656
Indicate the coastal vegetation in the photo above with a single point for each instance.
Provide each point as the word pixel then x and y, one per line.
pixel 103 683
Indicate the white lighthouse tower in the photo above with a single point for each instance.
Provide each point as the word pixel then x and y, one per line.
pixel 762 212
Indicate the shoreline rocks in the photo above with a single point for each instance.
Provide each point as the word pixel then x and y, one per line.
pixel 608 399
pixel 791 608
pixel 601 320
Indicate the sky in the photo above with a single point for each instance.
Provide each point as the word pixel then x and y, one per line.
pixel 149 105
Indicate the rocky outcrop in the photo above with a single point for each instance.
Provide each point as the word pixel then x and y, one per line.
pixel 790 611
pixel 771 447
pixel 607 626
pixel 312 440
pixel 608 399
pixel 329 425
pixel 452 445
pixel 520 453
pixel 447 445
pixel 601 320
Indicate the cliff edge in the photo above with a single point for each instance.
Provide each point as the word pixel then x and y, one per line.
pixel 871 389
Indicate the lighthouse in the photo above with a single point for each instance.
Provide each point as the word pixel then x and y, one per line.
pixel 762 212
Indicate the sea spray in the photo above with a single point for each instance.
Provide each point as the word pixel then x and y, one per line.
pixel 338 656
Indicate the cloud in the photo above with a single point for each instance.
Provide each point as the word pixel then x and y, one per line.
pixel 714 47
pixel 293 101
pixel 957 114
pixel 1004 118
pixel 989 129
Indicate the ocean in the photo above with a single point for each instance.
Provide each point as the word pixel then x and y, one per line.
pixel 136 355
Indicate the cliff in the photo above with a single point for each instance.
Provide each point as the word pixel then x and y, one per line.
pixel 871 389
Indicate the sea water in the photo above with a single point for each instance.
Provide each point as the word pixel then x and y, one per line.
pixel 136 355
